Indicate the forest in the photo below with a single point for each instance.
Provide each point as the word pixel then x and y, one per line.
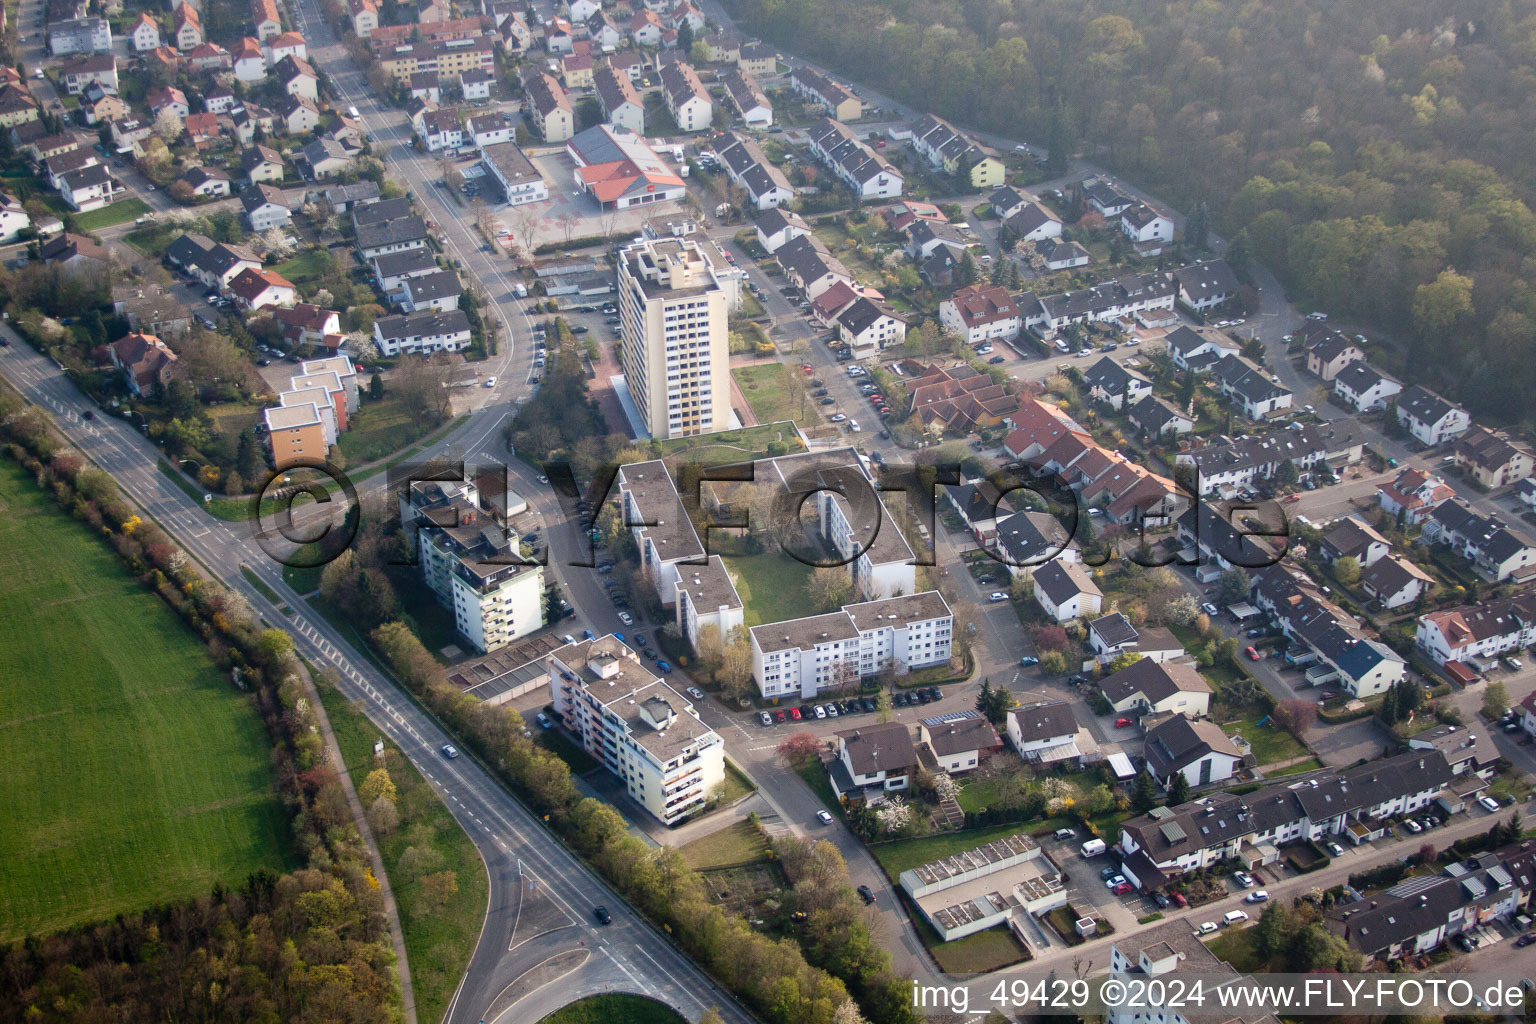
pixel 1377 156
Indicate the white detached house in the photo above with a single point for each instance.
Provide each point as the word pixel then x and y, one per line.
pixel 1430 418
pixel 1366 388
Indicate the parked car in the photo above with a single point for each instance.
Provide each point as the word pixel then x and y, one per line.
pixel 1206 928
pixel 1252 653
pixel 1113 881
pixel 1064 834
pixel 1123 889
pixel 794 713
pixel 1524 940
pixel 1488 803
pixel 1122 723
pixel 1179 899
pixel 1412 826
pixel 780 717
pixel 626 618
pixel 1335 850
pixel 996 596
pixel 1257 897
pixel 765 718
pixel 820 711
pixel 825 817
pixel 866 894
pixel 695 693
pixel 1029 660
pixel 1243 879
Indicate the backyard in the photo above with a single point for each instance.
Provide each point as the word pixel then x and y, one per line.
pixel 771 585
pixel 774 394
pixel 135 774
pixel 1270 743
pixel 738 843
pixel 107 216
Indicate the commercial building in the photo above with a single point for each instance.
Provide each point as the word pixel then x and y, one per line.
pixel 675 311
pixel 518 178
pixel 641 729
pixel 620 171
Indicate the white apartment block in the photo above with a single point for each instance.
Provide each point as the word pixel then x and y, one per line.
pixel 641 729
pixel 707 597
pixel 471 564
pixel 675 311
pixel 801 657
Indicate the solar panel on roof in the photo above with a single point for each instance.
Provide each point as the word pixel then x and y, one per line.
pixel 1173 831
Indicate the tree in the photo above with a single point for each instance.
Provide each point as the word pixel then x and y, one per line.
pixel 1272 934
pixel 965 270
pixel 1286 474
pixel 1295 716
pixel 383 816
pixel 437 889
pixel 249 462
pixel 734 673
pixel 168 126
pixel 1144 793
pixel 1058 145
pixel 1347 571
pixel 828 587
pixel 1495 700
pixel 994 703
pixel 375 386
pixel 1232 586
pixel 1197 227
pixel 685 37
pixel 274 646
pixel 883 706
pixel 1389 707
pixel 378 784
pixel 1178 790
pixel 1052 638
pixel 799 750
pixel 1315 947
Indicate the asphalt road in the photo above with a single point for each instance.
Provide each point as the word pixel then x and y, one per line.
pixel 628 955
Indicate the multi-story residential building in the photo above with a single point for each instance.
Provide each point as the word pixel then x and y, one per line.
pixel 706 597
pixel 653 511
pixel 79 35
pixel 1197 350
pixel 1250 389
pixel 675 308
pixel 422 333
pixel 1495 550
pixel 1165 950
pixel 868 327
pixel 265 208
pixel 751 102
pixel 1328 351
pixel 980 313
pixel 448 57
pixel 836 99
pixel 1170 841
pixel 1111 383
pixel 100 68
pixel 947 148
pixel 799 658
pixel 1493 457
pixel 144 361
pixel 1473 632
pixel 777 227
pixel 471 564
pixel 437 292
pixel 870 175
pixel 1364 387
pixel 261 289
pixel 621 103
pixel 1225 469
pixel 396 235
pixel 1430 418
pixel 1044 732
pixel 1412 495
pixel 747 166
pixel 265 18
pixel 1196 749
pixel 519 179
pixel 1066 591
pixel 1111 300
pixel 687 100
pixel 619 170
pixel 810 266
pixel 1147 230
pixel 1205 285
pixel 393 270
pixel 549 106
pixel 872 761
pixel 296 434
pixel 641 729
pixel 1345 655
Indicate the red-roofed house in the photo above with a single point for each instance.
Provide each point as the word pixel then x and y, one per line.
pixel 959 398
pixel 144 361
pixel 979 313
pixel 619 170
pixel 307 323
pixel 1037 426
pixel 259 289
pixel 186 27
pixel 1413 495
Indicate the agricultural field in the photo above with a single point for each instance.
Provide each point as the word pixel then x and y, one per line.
pixel 133 772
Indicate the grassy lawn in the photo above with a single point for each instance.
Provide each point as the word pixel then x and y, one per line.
pixel 731 445
pixel 740 843
pixel 910 853
pixel 972 954
pixel 1270 744
pixel 135 774
pixel 107 216
pixel 774 394
pixel 1235 946
pixel 438 938
pixel 305 268
pixel 1311 764
pixel 771 586
pixel 735 786
pixel 378 429
pixel 978 795
pixel 153 239
pixel 615 1008
pixel 815 776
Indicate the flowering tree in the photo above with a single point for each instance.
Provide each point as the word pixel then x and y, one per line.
pixel 894 815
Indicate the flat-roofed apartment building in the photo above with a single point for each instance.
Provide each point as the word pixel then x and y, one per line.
pixel 312 411
pixel 802 657
pixel 675 310
pixel 449 58
pixel 471 563
pixel 641 729
pixel 519 179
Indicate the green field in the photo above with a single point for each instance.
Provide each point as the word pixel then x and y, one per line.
pixel 738 843
pixel 910 853
pixel 117 213
pixel 438 939
pixel 774 393
pixel 615 1008
pixel 771 586
pixel 377 429
pixel 134 773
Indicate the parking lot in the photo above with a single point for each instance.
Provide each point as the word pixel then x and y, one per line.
pixel 834 709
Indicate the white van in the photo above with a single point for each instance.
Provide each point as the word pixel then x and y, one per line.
pixel 1233 917
pixel 352 111
pixel 1093 847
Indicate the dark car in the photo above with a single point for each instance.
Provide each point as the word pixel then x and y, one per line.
pixel 88 414
pixel 828 401
pixel 996 359
pixel 901 700
pixel 866 894
pixel 1524 940
pixel 601 913
pixel 580 329
pixel 819 393
pixel 868 703
pixel 1160 900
